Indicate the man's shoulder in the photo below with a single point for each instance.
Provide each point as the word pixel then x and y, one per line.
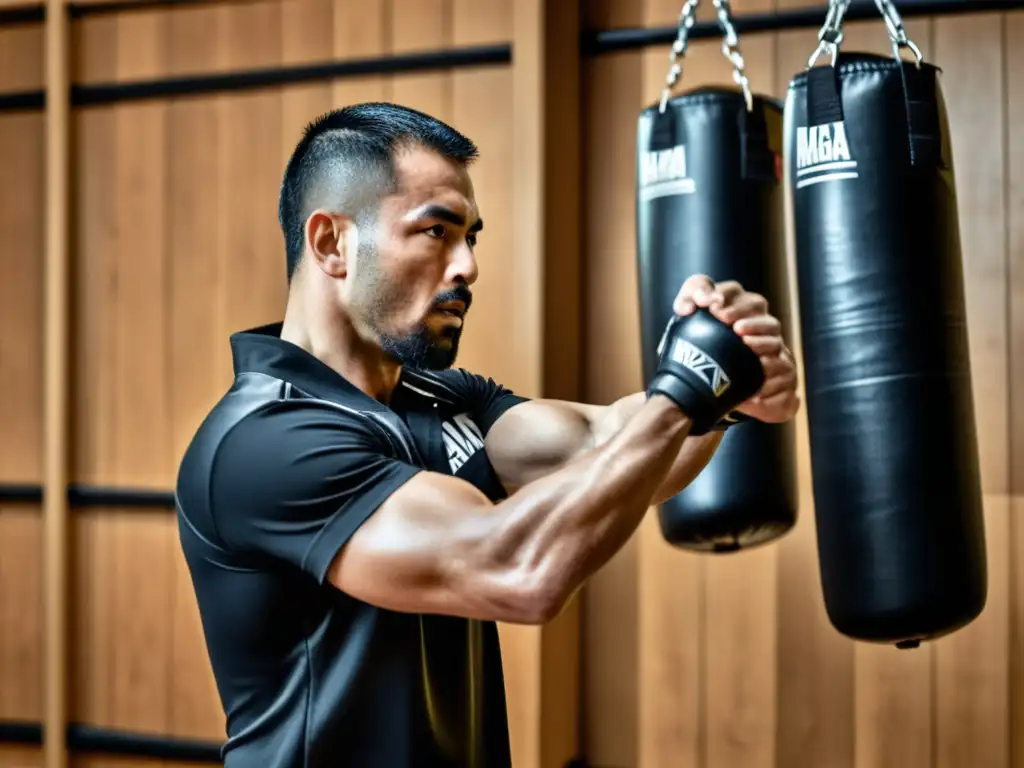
pixel 259 410
pixel 457 385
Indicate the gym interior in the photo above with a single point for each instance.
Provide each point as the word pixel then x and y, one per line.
pixel 136 137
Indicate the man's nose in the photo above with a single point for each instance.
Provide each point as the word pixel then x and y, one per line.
pixel 463 267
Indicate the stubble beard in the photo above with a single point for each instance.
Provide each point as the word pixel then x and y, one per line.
pixel 418 349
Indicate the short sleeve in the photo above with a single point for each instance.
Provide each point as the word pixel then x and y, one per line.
pixel 487 399
pixel 295 480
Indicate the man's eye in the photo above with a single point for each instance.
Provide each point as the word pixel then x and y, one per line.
pixel 471 239
pixel 436 231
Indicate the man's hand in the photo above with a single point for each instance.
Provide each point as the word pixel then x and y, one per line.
pixel 749 316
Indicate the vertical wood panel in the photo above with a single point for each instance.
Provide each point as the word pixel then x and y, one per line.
pixel 198 366
pixel 1013 29
pixel 22 209
pixel 612 660
pixel 740 632
pixel 20 757
pixel 611 651
pixel 972 683
pixel 21 57
pixel 671 594
pixel 545 207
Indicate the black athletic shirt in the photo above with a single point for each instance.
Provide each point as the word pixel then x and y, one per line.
pixel 284 469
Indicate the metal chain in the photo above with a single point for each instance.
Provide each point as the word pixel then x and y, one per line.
pixel 687 17
pixel 731 50
pixel 898 35
pixel 831 35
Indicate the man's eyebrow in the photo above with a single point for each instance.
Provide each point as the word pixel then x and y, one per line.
pixel 435 211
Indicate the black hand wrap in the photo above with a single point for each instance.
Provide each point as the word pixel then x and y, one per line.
pixel 706 369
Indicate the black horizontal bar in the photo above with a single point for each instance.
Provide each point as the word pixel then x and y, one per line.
pixel 21 493
pixel 15 732
pixel 83 95
pixel 35 13
pixel 95 496
pixel 22 101
pixel 80 495
pixel 112 93
pixel 90 738
pixel 24 14
pixel 97 740
pixel 631 38
pixel 81 10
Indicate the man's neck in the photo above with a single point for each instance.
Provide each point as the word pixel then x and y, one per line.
pixel 338 345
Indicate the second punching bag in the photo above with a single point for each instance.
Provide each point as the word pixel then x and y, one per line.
pixel 709 201
pixel 894 453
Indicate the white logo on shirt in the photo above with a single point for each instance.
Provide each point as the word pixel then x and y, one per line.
pixel 462 438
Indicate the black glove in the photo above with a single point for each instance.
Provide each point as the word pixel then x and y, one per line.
pixel 706 369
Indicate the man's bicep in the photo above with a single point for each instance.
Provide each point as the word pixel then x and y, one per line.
pixel 294 482
pixel 420 552
pixel 538 437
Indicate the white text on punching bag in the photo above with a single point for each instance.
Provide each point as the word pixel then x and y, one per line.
pixel 823 154
pixel 663 173
pixel 710 372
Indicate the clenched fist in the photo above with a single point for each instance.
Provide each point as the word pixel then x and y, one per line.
pixel 749 317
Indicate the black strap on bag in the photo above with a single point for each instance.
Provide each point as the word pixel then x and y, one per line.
pixel 757 159
pixel 924 127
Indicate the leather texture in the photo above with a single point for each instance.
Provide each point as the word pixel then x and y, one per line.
pixel 894 455
pixel 710 200
pixel 706 369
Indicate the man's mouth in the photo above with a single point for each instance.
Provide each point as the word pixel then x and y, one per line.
pixel 452 309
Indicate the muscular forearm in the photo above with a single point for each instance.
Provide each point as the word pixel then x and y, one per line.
pixel 693 456
pixel 555 532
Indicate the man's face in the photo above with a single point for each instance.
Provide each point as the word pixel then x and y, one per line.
pixel 409 282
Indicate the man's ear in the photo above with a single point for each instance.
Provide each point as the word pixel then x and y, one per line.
pixel 333 240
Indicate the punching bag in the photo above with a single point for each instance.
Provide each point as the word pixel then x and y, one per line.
pixel 894 456
pixel 710 201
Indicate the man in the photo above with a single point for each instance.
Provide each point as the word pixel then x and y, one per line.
pixel 357 514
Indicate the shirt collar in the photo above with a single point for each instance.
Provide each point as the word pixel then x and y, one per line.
pixel 262 350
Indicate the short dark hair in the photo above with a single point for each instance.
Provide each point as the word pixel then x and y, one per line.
pixel 345 161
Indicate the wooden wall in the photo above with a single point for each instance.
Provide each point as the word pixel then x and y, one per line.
pixel 21 286
pixel 688 662
pixel 175 246
pixel 730 662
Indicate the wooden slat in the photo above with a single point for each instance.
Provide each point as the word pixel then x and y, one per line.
pixel 545 183
pixel 21 295
pixel 1013 28
pixel 199 368
pixel 22 210
pixel 972 693
pixel 20 757
pixel 56 400
pixel 21 58
pixel 21 600
pixel 125 559
pixel 422 25
pixel 739 681
pixel 671 589
pixel 611 643
pixel 358 30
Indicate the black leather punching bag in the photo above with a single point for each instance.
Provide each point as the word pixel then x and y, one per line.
pixel 894 454
pixel 710 200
